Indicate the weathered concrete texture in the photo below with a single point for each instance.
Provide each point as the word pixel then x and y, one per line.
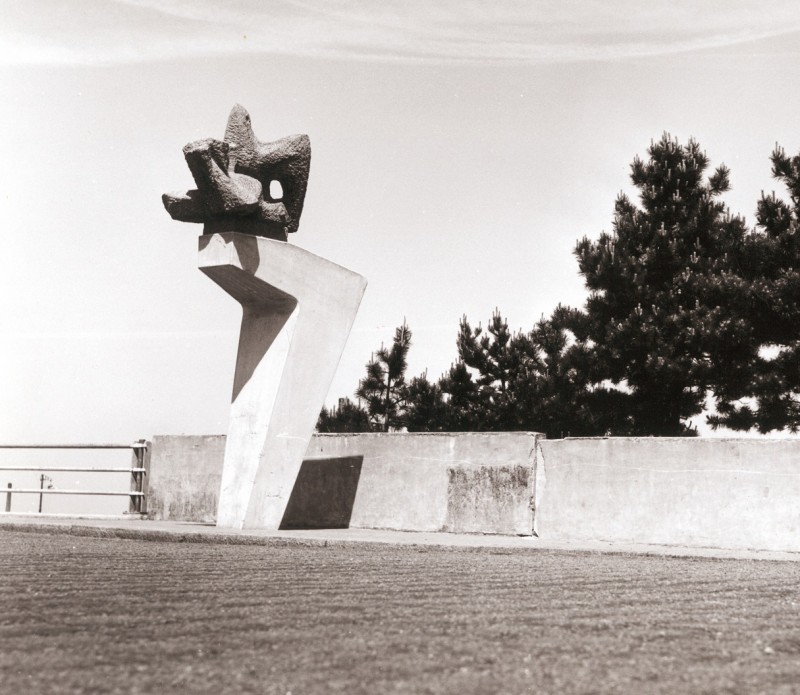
pixel 490 497
pixel 703 493
pixel 465 482
pixel 297 311
pixel 184 483
pixel 741 493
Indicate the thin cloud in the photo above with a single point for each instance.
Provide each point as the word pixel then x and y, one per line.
pixel 465 31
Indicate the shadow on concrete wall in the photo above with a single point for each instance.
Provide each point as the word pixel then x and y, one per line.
pixel 323 493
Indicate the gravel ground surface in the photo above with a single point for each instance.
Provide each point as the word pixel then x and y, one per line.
pixel 96 615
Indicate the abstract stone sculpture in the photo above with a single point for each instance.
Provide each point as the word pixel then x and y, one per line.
pixel 297 311
pixel 235 178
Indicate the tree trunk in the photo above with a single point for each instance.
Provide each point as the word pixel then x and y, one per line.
pixel 387 401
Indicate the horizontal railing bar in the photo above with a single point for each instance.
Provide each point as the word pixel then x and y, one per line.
pixel 119 469
pixel 128 516
pixel 135 445
pixel 36 490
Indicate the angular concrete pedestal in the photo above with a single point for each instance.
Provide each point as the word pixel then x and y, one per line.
pixel 297 311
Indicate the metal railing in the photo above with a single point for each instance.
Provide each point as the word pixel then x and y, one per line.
pixel 139 469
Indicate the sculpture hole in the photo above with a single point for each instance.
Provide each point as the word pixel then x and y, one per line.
pixel 275 190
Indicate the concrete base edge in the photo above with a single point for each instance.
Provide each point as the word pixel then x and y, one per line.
pixel 186 532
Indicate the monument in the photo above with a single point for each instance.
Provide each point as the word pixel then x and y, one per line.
pixel 297 309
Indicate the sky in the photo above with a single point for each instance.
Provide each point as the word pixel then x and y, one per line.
pixel 459 150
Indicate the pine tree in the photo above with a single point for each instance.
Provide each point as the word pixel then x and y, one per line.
pixel 474 395
pixel 684 301
pixel 383 387
pixel 346 417
pixel 553 394
pixel 664 319
pixel 495 356
pixel 426 409
pixel 507 381
pixel 768 398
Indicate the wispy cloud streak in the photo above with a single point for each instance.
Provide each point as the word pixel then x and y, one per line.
pixel 503 31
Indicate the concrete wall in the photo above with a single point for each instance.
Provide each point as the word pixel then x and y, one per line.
pixel 466 482
pixel 727 493
pixel 185 475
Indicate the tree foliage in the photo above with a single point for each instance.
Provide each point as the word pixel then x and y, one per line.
pixel 685 301
pixel 664 316
pixel 512 381
pixel 425 408
pixel 768 396
pixel 346 417
pixel 383 388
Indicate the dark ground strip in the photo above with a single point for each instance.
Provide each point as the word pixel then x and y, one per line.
pixel 95 615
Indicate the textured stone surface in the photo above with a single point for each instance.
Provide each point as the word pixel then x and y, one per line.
pixel 496 497
pixel 234 177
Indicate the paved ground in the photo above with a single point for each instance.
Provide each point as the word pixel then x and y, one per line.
pixel 208 533
pixel 108 615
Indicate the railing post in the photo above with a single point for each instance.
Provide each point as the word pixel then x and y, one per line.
pixel 8 498
pixel 139 459
pixel 144 488
pixel 136 462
